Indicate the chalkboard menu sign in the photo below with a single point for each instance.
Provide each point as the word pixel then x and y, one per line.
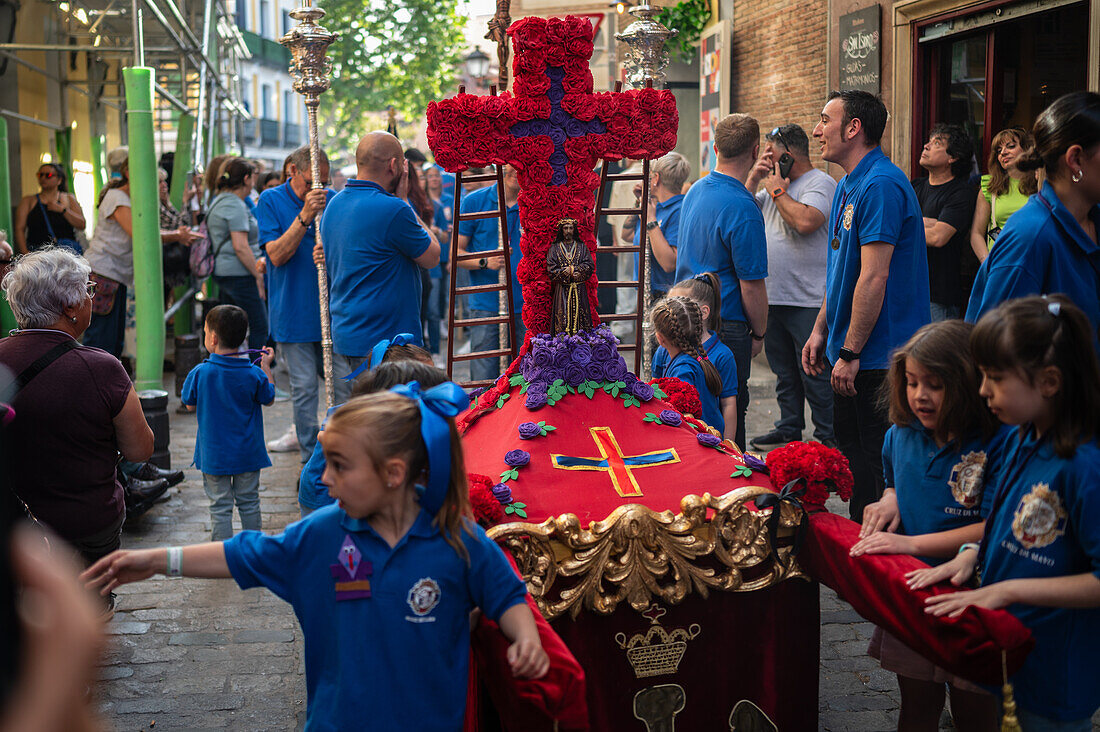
pixel 861 50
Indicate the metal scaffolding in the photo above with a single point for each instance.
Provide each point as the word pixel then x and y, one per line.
pixel 198 75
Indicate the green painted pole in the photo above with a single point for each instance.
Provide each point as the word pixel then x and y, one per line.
pixel 148 274
pixel 181 172
pixel 99 165
pixel 181 169
pixel 63 139
pixel 7 320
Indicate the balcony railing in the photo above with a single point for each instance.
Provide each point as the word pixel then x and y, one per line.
pixel 248 131
pixel 269 132
pixel 292 135
pixel 267 50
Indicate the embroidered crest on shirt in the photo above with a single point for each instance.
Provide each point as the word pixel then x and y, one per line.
pixel 849 213
pixel 422 598
pixel 1040 518
pixel 351 573
pixel 966 479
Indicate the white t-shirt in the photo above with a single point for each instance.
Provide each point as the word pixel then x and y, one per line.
pixel 111 250
pixel 796 263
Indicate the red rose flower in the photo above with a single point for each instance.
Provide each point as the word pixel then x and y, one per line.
pixel 680 394
pixel 581 48
pixel 487 509
pixel 824 469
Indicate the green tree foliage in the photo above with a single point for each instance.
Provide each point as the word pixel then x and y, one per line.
pixel 689 17
pixel 399 52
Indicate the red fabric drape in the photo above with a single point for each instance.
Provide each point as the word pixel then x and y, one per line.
pixel 969 646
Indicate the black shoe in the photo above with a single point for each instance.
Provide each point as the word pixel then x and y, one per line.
pixel 772 439
pixel 148 471
pixel 142 494
pixel 830 442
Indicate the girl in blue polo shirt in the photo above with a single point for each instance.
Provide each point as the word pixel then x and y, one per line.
pixel 937 458
pixel 1040 555
pixel 678 325
pixel 384 581
pixel 706 290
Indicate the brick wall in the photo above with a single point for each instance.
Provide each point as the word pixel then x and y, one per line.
pixel 778 53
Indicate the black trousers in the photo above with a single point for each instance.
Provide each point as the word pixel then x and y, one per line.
pixel 859 424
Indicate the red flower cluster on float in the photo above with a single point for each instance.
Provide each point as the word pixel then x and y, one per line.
pixel 487 509
pixel 824 468
pixel 680 394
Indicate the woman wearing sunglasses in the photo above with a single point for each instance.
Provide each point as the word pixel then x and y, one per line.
pixel 51 216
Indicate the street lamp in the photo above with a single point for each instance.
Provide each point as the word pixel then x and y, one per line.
pixel 477 64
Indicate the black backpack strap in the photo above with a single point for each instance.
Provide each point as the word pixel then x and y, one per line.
pixel 44 361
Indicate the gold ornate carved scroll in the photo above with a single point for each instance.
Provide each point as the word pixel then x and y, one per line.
pixel 644 556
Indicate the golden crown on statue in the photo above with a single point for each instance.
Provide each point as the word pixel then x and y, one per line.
pixel 657 651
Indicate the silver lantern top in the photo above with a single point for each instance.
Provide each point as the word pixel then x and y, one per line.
pixel 646 37
pixel 309 66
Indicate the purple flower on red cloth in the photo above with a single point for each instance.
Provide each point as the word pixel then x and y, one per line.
pixel 535 399
pixel 755 463
pixel 617 370
pixel 502 493
pixel 603 352
pixel 671 417
pixel 574 374
pixel 593 371
pixel 582 353
pixel 529 430
pixel 641 391
pixel 708 440
pixel 517 458
pixel 541 357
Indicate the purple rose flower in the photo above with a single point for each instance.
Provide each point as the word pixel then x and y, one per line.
pixel 556 73
pixel 557 136
pixel 502 493
pixel 671 417
pixel 540 127
pixel 558 158
pixel 535 399
pixel 616 370
pixel 641 391
pixel 559 178
pixel 558 117
pixel 541 357
pixel 556 93
pixel 603 352
pixel 559 360
pixel 577 128
pixel 708 440
pixel 582 353
pixel 574 374
pixel 517 458
pixel 593 371
pixel 521 129
pixel 529 430
pixel 755 463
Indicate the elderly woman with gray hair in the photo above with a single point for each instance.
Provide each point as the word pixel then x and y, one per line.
pixel 75 408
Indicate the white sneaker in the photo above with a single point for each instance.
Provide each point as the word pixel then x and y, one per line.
pixel 287 443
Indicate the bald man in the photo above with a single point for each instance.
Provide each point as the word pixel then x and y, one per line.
pixel 374 245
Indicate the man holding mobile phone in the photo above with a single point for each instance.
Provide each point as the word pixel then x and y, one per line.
pixel 795 199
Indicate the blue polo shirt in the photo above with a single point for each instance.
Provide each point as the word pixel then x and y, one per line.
pixel 1041 250
pixel 668 220
pixel 940 488
pixel 1045 522
pixel 722 231
pixel 396 660
pixel 686 368
pixel 371 241
pixel 228 392
pixel 484 237
pixel 441 219
pixel 293 304
pixel 719 354
pixel 312 493
pixel 876 203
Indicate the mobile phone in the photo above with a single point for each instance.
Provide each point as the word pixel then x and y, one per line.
pixel 786 162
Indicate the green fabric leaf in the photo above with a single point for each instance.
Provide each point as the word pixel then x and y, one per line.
pixel 521 513
pixel 517 504
pixel 510 474
pixel 501 399
pixel 517 379
pixel 659 392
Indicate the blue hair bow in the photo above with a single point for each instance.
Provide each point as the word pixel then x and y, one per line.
pixel 436 405
pixel 379 352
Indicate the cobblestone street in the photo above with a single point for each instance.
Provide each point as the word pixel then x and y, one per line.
pixel 201 654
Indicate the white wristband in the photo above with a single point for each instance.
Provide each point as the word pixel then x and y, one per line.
pixel 969 545
pixel 175 561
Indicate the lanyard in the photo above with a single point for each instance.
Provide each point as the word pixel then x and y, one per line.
pixel 840 218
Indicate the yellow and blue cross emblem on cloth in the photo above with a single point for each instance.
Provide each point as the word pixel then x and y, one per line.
pixel 613 462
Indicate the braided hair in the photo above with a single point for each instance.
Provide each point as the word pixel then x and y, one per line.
pixel 679 320
pixel 705 289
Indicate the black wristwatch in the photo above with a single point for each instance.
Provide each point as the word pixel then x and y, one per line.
pixel 847 354
pixel 650 226
pixel 483 263
pixel 756 337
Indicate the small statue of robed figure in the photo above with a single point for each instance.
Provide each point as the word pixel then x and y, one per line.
pixel 569 264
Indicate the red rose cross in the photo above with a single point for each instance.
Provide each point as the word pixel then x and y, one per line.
pixel 553 130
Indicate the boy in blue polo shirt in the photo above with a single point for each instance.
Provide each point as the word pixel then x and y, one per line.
pixel 228 391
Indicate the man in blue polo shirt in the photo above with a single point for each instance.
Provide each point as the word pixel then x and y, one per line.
pixel 722 231
pixel 373 248
pixel 876 288
pixel 287 218
pixel 482 235
pixel 668 176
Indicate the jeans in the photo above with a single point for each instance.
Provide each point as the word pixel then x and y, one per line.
pixel 1031 722
pixel 735 334
pixel 789 328
pixel 225 490
pixel 109 331
pixel 304 365
pixel 944 312
pixel 241 290
pixel 487 338
pixel 341 367
pixel 860 426
pixel 437 310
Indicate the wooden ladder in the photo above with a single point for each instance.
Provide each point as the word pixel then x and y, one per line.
pixel 503 250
